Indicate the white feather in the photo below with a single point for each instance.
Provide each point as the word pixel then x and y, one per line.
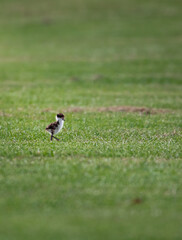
pixel 60 126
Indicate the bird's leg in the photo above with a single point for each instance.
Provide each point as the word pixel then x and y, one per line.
pixel 51 137
pixel 55 138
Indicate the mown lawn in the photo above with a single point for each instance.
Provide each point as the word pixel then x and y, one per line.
pixel 114 174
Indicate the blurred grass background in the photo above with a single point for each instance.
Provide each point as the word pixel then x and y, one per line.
pixel 115 174
pixel 108 52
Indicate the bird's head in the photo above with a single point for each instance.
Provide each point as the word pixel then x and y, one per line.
pixel 60 116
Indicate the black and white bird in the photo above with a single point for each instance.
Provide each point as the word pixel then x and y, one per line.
pixel 55 127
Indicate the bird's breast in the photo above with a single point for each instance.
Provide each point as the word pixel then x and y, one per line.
pixel 60 126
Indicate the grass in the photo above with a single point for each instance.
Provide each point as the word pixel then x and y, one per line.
pixel 114 174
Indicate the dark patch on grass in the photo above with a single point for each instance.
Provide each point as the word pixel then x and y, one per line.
pixel 74 79
pixel 47 21
pixel 137 201
pixel 97 77
pixel 48 110
pixel 126 109
pixel 130 109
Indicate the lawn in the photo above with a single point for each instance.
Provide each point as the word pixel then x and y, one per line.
pixel 113 67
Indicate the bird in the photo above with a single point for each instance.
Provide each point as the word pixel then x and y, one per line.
pixel 55 127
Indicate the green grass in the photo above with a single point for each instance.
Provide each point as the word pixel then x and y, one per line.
pixel 114 175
